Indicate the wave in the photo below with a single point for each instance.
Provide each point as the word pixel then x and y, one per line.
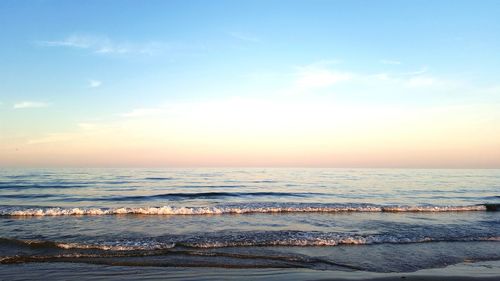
pixel 48 251
pixel 246 239
pixel 168 196
pixel 199 195
pixel 242 209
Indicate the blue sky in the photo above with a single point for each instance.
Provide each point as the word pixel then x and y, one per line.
pixel 68 65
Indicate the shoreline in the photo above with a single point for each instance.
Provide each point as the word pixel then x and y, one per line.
pixel 486 270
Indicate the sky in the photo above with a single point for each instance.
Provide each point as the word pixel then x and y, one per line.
pixel 104 83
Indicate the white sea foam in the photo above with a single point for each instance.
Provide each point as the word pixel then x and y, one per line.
pixel 334 242
pixel 123 246
pixel 433 208
pixel 234 209
pixel 293 239
pixel 259 239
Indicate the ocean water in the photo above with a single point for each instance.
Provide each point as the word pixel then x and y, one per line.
pixel 352 220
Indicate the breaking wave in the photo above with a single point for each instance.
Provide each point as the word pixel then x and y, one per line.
pixel 248 239
pixel 241 209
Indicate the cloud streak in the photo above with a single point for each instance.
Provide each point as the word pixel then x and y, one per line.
pixel 104 45
pixel 94 83
pixel 316 75
pixel 30 104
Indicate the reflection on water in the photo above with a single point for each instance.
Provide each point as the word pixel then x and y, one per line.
pixel 293 218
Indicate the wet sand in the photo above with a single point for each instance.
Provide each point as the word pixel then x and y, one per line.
pixel 72 271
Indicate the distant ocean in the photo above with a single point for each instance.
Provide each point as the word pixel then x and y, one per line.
pixel 320 220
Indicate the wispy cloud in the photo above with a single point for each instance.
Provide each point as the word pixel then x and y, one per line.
pixel 414 79
pixel 324 76
pixel 94 83
pixel 401 75
pixel 421 71
pixel 30 104
pixel 104 45
pixel 393 62
pixel 318 76
pixel 245 37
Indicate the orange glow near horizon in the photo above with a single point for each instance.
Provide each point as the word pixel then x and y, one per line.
pixel 258 133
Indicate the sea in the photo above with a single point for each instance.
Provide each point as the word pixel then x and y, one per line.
pixel 247 223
